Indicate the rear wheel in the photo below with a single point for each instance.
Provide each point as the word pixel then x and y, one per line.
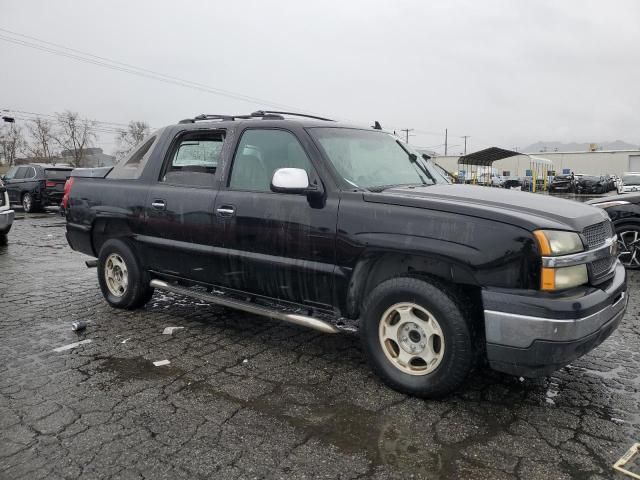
pixel 629 245
pixel 28 203
pixel 123 282
pixel 416 337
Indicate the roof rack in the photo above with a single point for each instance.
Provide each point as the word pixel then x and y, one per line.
pixel 264 114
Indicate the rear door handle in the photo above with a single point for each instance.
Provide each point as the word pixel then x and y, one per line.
pixel 159 204
pixel 226 210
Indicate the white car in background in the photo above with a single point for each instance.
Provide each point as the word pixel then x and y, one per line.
pixel 6 214
pixel 491 179
pixel 630 182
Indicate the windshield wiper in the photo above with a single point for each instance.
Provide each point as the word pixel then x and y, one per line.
pixel 381 188
pixel 413 158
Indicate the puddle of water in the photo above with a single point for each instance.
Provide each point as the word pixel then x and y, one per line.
pixel 385 439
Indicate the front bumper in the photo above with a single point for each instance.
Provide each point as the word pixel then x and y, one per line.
pixel 6 219
pixel 536 334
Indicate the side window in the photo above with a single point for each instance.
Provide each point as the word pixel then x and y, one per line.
pixel 31 173
pixel 131 166
pixel 21 173
pixel 194 158
pixel 260 153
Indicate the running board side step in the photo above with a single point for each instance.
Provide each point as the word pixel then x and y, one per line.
pixel 248 307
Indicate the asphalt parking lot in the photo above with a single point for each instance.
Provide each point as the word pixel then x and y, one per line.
pixel 244 397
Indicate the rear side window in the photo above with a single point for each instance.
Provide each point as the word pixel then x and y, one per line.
pixel 57 174
pixel 194 158
pixel 132 166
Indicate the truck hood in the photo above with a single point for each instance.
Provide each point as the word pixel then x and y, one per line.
pixel 527 210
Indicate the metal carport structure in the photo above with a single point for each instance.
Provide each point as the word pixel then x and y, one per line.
pixel 477 167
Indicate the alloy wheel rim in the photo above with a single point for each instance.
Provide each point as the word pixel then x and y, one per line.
pixel 411 338
pixel 628 245
pixel 26 202
pixel 116 275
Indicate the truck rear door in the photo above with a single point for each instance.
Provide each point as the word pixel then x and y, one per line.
pixel 180 226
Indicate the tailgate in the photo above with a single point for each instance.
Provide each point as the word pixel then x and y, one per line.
pixel 55 178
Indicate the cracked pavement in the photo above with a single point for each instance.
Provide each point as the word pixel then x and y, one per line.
pixel 246 397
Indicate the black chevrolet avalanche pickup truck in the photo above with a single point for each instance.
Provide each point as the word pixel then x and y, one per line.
pixel 341 228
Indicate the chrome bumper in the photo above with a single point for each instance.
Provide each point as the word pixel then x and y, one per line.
pixel 6 219
pixel 522 330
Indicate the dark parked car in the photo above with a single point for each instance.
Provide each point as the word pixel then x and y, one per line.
pixel 512 182
pixel 591 184
pixel 624 211
pixel 36 186
pixel 6 214
pixel 340 228
pixel 562 184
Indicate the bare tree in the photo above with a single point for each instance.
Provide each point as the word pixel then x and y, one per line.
pixel 74 134
pixel 130 137
pixel 11 142
pixel 40 144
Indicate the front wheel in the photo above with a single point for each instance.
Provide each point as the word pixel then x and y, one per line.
pixel 123 282
pixel 629 246
pixel 416 338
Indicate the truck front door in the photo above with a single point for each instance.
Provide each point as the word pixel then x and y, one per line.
pixel 277 244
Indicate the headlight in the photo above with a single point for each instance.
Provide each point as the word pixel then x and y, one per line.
pixel 557 242
pixel 565 277
pixel 613 203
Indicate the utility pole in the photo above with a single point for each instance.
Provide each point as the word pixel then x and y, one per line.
pixel 465 142
pixel 406 131
pixel 445 142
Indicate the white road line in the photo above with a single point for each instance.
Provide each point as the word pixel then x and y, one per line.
pixel 71 345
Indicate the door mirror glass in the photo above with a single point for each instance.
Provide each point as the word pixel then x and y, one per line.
pixel 289 180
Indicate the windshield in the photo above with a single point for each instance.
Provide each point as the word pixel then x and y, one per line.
pixel 631 179
pixel 374 160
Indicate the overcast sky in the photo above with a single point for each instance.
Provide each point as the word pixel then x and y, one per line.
pixel 506 73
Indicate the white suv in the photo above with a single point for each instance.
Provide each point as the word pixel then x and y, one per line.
pixel 6 214
pixel 630 182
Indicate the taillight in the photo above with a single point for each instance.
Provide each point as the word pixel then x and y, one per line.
pixel 67 191
pixel 50 184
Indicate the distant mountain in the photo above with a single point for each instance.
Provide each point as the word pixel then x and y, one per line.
pixel 577 147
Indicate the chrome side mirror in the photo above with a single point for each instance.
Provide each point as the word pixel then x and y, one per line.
pixel 290 180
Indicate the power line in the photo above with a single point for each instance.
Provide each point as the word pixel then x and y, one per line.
pixel 98 60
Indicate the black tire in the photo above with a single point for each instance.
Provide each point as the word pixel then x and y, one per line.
pixel 137 291
pixel 29 204
pixel 627 245
pixel 458 357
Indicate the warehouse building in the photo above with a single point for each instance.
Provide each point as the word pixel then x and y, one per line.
pixel 613 162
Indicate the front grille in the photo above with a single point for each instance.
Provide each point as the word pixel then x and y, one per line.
pixel 595 237
pixel 597 234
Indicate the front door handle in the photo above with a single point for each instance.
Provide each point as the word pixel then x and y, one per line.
pixel 226 210
pixel 159 204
